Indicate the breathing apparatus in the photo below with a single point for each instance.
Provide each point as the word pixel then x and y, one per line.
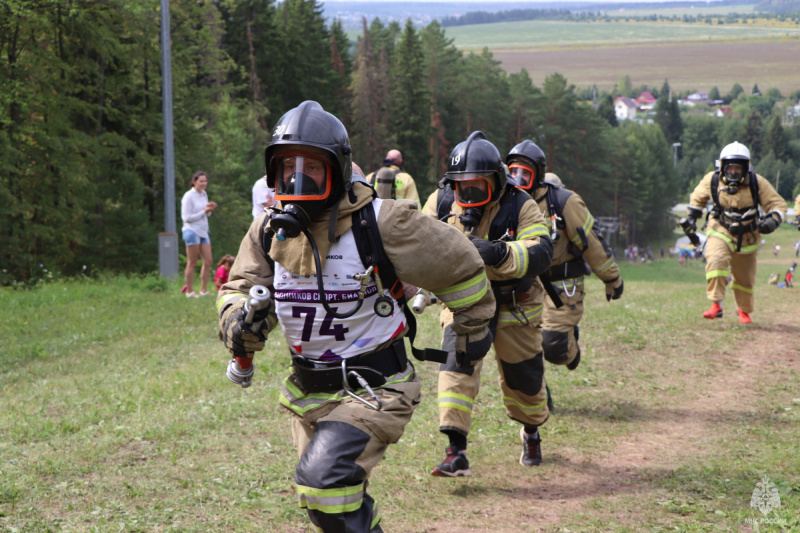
pixel 470 171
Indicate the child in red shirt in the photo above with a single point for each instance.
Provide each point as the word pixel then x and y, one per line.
pixel 223 268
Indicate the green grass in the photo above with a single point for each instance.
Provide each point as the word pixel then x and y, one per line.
pixel 117 417
pixel 537 34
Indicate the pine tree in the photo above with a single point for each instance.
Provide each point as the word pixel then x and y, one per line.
pixel 668 115
pixel 607 112
pixel 251 39
pixel 342 65
pixel 408 104
pixel 777 141
pixel 442 61
pixel 369 133
pixel 482 80
pixel 753 136
pixel 577 143
pixel 526 108
pixel 305 70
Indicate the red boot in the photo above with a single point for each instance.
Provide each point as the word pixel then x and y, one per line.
pixel 715 311
pixel 744 318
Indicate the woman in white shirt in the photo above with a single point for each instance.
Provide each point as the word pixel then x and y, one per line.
pixel 195 210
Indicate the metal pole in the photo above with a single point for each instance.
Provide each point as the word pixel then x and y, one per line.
pixel 675 147
pixel 168 241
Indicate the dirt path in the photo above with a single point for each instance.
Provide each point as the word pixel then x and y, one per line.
pixel 660 444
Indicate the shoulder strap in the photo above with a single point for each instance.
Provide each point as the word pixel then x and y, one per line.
pixel 444 201
pixel 506 221
pixel 754 188
pixel 715 190
pixel 372 253
pixel 557 199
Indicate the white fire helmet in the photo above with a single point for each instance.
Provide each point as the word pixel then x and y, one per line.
pixel 735 150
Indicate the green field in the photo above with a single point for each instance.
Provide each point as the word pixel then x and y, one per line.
pixel 117 417
pixel 543 34
pixel 680 11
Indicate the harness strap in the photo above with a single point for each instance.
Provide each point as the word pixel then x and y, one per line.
pixel 371 251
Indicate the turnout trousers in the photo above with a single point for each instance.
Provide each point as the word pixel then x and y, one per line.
pixel 559 325
pixel 719 258
pixel 520 366
pixel 339 443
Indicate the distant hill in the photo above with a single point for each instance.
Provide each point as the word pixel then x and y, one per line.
pixel 779 6
pixel 423 13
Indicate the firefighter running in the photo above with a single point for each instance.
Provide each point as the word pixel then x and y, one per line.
pixel 578 251
pixel 324 256
pixel 734 227
pixel 507 228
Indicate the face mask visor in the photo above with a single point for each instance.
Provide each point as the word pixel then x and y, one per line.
pixel 472 190
pixel 733 173
pixel 302 176
pixel 522 176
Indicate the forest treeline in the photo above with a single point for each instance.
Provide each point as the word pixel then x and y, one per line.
pixel 81 170
pixel 779 10
pixel 487 17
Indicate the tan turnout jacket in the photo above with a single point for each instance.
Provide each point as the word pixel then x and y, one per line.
pixel 423 251
pixel 576 215
pixel 769 199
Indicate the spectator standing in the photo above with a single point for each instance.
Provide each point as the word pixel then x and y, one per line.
pixel 195 210
pixel 263 197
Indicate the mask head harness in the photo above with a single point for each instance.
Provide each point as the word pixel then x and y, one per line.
pixel 527 165
pixel 476 173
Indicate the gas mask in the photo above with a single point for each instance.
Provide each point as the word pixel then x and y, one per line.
pixel 473 191
pixel 303 186
pixel 732 177
pixel 523 176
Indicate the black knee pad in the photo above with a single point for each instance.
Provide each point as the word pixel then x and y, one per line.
pixel 449 346
pixel 556 346
pixel 526 376
pixel 330 458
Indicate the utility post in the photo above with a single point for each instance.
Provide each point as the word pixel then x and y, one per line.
pixel 168 240
pixel 675 147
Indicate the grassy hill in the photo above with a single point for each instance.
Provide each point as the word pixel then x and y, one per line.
pixel 117 417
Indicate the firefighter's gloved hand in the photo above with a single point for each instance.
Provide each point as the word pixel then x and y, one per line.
pixel 237 372
pixel 243 339
pixel 689 224
pixel 493 253
pixel 614 289
pixel 471 348
pixel 769 223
